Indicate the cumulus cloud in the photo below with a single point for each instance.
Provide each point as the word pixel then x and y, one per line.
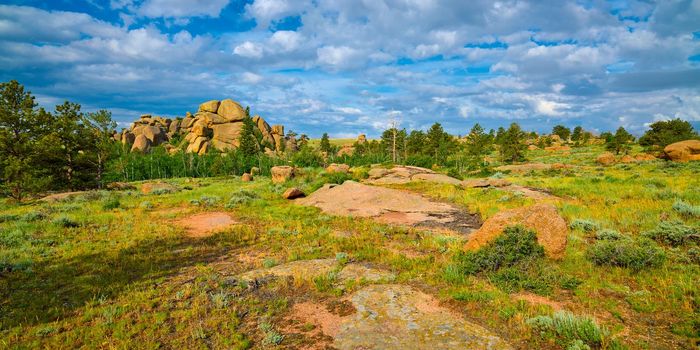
pixel 357 64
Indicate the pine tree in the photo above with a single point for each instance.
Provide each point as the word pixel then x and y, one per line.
pixel 248 145
pixel 513 144
pixel 577 134
pixel 561 131
pixel 478 142
pixel 102 128
pixel 438 143
pixel 620 142
pixel 21 128
pixel 664 133
pixel 415 143
pixel 325 145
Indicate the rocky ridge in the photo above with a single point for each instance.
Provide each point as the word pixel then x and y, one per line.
pixel 216 124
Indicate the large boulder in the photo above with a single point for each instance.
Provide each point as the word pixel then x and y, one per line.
pixel 200 128
pixel 338 168
pixel 128 137
pixel 683 151
pixel 209 106
pixel 231 110
pixel 282 173
pixel 199 145
pixel 293 193
pixel 643 157
pixel 265 129
pixel 141 144
pixel 544 219
pixel 627 159
pixel 606 158
pixel 155 134
pixel 174 126
pixel 227 133
pixel 210 118
pixel 187 122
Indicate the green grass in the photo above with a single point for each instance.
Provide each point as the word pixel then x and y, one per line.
pixel 90 273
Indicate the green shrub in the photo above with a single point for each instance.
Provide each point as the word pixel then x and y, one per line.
pixel 514 245
pixel 8 217
pixel 329 178
pixel 241 197
pixel 633 254
pixel 111 203
pixel 694 255
pixel 146 205
pixel 673 233
pixel 686 209
pixel 568 328
pixel 584 225
pixel 206 201
pixel 65 221
pixel 610 235
pixel 33 216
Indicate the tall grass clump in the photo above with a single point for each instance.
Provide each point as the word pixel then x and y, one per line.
pixel 570 329
pixel 111 203
pixel 685 209
pixel 241 197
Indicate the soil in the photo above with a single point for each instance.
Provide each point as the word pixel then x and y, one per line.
pixel 206 224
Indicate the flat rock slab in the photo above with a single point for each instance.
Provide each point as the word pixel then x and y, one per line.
pixel 405 174
pixel 206 224
pixel 57 197
pixel 401 317
pixel 390 206
pixel 308 269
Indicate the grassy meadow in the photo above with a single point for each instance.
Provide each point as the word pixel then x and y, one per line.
pixel 112 270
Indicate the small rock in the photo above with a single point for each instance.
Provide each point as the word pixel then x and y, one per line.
pixel 606 158
pixel 480 183
pixel 293 193
pixel 247 177
pixel 627 159
pixel 282 173
pixel 338 168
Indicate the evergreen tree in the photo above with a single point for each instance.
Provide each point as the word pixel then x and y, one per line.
pixel 561 131
pixel 664 133
pixel 577 134
pixel 438 143
pixel 393 143
pixel 325 145
pixel 102 128
pixel 498 138
pixel 303 140
pixel 248 144
pixel 620 142
pixel 478 142
pixel 415 143
pixel 21 128
pixel 513 144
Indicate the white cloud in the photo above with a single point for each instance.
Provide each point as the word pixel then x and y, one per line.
pixel 338 57
pixel 249 49
pixel 251 78
pixel 286 40
pixel 181 8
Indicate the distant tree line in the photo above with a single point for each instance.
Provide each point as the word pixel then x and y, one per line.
pixel 69 149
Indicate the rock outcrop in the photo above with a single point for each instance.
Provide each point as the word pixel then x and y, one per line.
pixel 217 124
pixel 683 151
pixel 606 158
pixel 544 219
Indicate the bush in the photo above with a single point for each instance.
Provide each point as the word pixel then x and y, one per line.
pixel 514 245
pixel 111 203
pixel 584 225
pixel 8 217
pixel 632 254
pixel 686 209
pixel 241 197
pixel 34 216
pixel 65 221
pixel 610 235
pixel 146 205
pixel 329 178
pixel 570 329
pixel 694 255
pixel 673 233
pixel 206 201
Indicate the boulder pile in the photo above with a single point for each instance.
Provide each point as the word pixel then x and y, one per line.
pixel 217 124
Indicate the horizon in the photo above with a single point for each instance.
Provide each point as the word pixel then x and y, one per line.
pixel 348 68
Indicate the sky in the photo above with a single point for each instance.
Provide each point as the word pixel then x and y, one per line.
pixel 353 66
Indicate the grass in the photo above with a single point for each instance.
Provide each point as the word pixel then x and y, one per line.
pixel 82 273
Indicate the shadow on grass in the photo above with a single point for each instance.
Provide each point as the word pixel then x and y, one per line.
pixel 54 289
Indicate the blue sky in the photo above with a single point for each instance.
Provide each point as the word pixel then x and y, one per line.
pixel 352 66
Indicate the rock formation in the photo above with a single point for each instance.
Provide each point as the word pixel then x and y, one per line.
pixel 683 151
pixel 217 124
